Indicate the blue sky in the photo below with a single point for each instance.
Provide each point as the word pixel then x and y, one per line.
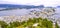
pixel 32 2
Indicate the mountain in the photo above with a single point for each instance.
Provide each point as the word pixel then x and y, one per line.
pixel 19 6
pixel 58 6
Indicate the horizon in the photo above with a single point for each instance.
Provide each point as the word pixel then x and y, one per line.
pixel 1 5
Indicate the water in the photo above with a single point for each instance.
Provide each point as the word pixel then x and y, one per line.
pixel 14 12
pixel 57 13
pixel 19 12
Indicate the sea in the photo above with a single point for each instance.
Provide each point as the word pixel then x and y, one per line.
pixel 19 12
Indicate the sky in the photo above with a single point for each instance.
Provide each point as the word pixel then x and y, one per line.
pixel 32 2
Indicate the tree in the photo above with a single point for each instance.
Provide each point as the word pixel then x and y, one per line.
pixel 47 24
pixel 3 24
pixel 56 25
pixel 14 24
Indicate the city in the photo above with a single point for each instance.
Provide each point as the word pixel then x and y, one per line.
pixel 43 13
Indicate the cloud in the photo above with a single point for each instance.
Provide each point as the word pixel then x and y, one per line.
pixel 32 2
